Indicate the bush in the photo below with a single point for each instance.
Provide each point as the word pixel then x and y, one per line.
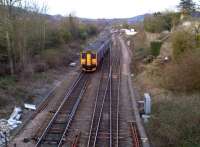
pixel 54 38
pixel 155 47
pixel 66 35
pixel 175 122
pixel 83 32
pixel 198 40
pixel 7 82
pixel 182 41
pixel 140 46
pixel 53 57
pixel 92 30
pixel 154 24
pixel 3 102
pixel 183 74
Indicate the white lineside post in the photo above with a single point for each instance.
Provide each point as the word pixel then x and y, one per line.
pixel 147 103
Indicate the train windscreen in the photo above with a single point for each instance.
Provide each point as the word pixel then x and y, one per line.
pixel 93 56
pixel 83 55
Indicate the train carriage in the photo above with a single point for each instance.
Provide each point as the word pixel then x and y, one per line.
pixel 92 55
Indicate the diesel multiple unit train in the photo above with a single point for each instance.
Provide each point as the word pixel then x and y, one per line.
pixel 93 54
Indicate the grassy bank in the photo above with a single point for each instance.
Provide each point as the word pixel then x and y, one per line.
pixel 175 97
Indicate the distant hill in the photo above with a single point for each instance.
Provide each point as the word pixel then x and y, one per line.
pixel 138 18
pixel 131 20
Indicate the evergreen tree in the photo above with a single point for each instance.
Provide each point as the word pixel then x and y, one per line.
pixel 187 6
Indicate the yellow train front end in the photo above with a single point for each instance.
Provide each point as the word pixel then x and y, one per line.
pixel 88 61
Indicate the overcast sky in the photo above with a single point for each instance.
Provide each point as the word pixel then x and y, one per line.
pixel 108 8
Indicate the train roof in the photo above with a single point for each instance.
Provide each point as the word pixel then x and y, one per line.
pixel 99 43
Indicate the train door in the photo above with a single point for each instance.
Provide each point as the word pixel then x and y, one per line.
pixel 89 59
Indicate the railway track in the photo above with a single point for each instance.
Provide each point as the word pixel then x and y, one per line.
pixel 99 104
pixel 55 132
pixel 104 129
pixel 115 94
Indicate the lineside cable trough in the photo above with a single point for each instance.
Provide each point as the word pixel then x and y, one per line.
pixel 145 107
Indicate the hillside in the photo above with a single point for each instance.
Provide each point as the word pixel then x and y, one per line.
pixel 166 65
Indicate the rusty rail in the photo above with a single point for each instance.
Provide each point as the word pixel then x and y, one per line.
pixel 76 140
pixel 135 135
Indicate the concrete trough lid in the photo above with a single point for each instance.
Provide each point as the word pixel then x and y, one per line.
pixel 13 121
pixel 72 64
pixel 30 106
pixel 15 114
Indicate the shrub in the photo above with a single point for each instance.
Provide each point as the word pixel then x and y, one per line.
pixel 183 74
pixel 140 46
pixel 66 35
pixel 7 82
pixel 182 41
pixel 83 33
pixel 155 47
pixel 198 40
pixel 52 57
pixel 175 122
pixel 153 24
pixel 54 38
pixel 3 102
pixel 92 30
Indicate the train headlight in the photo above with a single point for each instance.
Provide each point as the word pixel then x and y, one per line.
pixel 83 61
pixel 94 61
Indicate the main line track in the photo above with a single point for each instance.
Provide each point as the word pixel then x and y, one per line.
pixel 104 129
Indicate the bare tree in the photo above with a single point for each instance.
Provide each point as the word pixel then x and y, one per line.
pixel 23 25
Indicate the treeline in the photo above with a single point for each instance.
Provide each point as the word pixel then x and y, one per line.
pixel 159 22
pixel 27 35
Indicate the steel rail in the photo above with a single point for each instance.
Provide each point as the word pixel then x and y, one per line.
pixel 111 136
pixel 114 102
pixel 92 140
pixel 58 110
pixel 74 111
pixel 135 135
pixel 100 116
pixel 118 100
pixel 95 107
pixel 76 140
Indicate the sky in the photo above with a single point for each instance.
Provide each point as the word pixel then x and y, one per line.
pixel 108 8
